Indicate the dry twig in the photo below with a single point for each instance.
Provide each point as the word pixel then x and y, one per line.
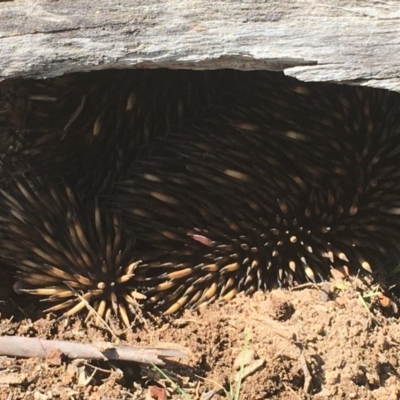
pixel 16 346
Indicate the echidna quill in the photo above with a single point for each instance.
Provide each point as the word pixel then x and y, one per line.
pixel 278 187
pixel 89 127
pixel 72 254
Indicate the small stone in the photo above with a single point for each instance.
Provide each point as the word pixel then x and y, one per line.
pixel 332 377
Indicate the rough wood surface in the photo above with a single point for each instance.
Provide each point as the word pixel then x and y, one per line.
pixel 324 40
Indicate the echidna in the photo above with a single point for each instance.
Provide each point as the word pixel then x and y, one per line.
pixel 89 127
pixel 280 185
pixel 72 254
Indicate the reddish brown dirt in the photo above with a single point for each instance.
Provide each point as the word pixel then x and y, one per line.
pixel 302 344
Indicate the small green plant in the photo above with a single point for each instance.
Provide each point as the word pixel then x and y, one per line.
pixel 375 291
pixel 240 376
pixel 175 385
pixel 234 390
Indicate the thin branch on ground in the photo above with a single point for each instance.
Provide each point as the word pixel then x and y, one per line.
pixel 17 346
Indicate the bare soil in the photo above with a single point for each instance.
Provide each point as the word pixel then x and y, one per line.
pixel 332 341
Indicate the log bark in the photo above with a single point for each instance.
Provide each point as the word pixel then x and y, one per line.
pixel 349 41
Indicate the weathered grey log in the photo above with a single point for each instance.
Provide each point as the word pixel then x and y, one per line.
pixel 325 40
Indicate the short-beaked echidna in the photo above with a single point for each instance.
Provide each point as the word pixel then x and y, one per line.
pixel 71 253
pixel 276 187
pixel 89 127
